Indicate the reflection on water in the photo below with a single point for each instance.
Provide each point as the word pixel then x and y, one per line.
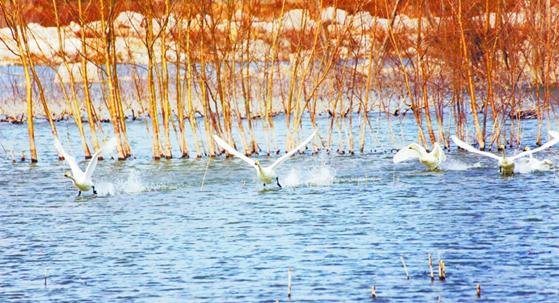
pixel 342 223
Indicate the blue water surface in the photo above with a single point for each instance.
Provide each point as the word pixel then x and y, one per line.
pixel 203 230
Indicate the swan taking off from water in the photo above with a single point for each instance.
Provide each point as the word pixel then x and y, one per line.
pixel 415 151
pixel 506 164
pixel 80 179
pixel 265 174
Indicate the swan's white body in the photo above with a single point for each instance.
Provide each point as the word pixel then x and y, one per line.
pixel 414 151
pixel 506 164
pixel 82 179
pixel 266 175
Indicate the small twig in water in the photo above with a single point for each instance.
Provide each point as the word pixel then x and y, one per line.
pixel 405 267
pixel 442 270
pixel 205 173
pixel 289 282
pixel 431 274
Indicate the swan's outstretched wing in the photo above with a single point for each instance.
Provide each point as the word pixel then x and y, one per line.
pixel 472 149
pixel 76 171
pixel 406 154
pixel 233 151
pixel 107 147
pixel 293 151
pixel 535 150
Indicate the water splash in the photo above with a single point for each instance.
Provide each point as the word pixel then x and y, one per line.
pixel 527 165
pixel 459 165
pixel 110 145
pixel 321 177
pixel 105 189
pixel 133 184
pixel 292 179
pixel 318 176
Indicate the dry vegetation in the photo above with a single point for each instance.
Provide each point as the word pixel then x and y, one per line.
pixel 476 65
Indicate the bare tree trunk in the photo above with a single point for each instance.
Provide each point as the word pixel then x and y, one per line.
pixel 270 94
pixel 471 88
pixel 112 106
pixel 151 86
pixel 14 19
pixel 204 94
pixel 85 79
pixel 29 97
pixel 76 113
pixel 164 93
pixel 246 88
pixel 178 87
pixel 424 76
pixel 189 82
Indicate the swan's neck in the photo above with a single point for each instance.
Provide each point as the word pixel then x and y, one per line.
pixel 71 178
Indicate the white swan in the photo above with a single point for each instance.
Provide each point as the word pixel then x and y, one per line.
pixel 80 179
pixel 415 151
pixel 265 174
pixel 506 164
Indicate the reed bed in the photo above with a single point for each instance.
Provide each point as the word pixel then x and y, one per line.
pixel 192 69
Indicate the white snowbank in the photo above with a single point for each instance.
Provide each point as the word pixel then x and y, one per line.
pixel 332 14
pixel 93 73
pixel 129 19
pixel 361 20
pixel 295 19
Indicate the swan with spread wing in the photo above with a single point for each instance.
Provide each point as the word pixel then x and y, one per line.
pixel 506 164
pixel 432 160
pixel 266 175
pixel 82 179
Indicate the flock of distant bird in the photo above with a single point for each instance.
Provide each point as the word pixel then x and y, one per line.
pixel 83 181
